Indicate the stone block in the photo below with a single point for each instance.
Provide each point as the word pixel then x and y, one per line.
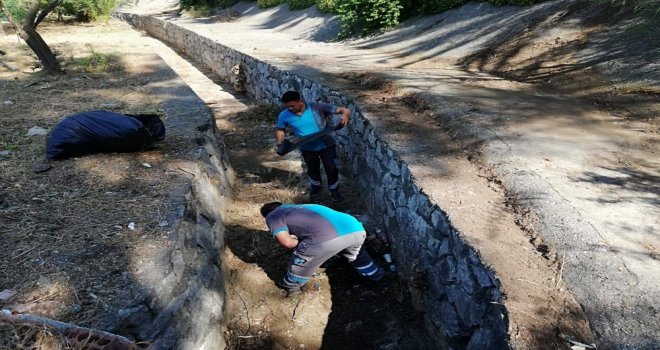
pixel 469 309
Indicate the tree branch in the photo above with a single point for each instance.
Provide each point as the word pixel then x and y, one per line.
pixel 46 10
pixel 32 14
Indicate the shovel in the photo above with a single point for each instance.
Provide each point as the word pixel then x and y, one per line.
pixel 289 145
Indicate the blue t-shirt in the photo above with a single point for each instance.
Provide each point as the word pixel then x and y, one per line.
pixel 313 222
pixel 313 119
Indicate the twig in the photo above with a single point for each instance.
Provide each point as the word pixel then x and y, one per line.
pixel 33 83
pixel 263 320
pixel 247 313
pixel 45 297
pixel 185 171
pixel 25 252
pixel 561 270
pixel 530 282
pixel 515 308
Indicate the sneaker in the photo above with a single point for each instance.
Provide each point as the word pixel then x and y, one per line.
pixel 289 291
pixel 336 196
pixel 292 292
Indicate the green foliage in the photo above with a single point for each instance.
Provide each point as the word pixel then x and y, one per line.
pixel 513 2
pixel 648 8
pixel 300 4
pixel 88 10
pixel 438 6
pixel 647 16
pixel 327 6
pixel 203 7
pixel 269 3
pixel 18 9
pixel 96 62
pixel 225 3
pixel 367 16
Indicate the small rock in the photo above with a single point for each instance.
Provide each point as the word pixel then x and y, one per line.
pixel 41 168
pixel 8 103
pixel 5 312
pixel 118 227
pixel 39 200
pixel 146 165
pixel 5 154
pixel 37 131
pixel 242 144
pixel 7 294
pixel 131 226
pixel 163 223
pixel 75 308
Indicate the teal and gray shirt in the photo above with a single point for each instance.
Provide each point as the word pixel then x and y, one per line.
pixel 313 119
pixel 311 222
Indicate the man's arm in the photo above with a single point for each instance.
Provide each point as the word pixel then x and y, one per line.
pixel 286 240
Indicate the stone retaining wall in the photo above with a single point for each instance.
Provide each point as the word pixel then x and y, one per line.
pixel 182 302
pixel 459 296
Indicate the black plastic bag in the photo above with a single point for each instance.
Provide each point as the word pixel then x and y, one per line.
pixel 102 132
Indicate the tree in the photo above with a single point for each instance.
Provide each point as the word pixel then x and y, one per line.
pixel 26 15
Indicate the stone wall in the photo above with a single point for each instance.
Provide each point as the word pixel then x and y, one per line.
pixel 181 300
pixel 459 296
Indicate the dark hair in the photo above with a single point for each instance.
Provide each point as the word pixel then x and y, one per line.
pixel 290 96
pixel 268 207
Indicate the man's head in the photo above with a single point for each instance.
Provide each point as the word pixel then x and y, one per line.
pixel 293 101
pixel 268 207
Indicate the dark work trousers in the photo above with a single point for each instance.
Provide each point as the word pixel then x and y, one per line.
pixel 308 256
pixel 328 157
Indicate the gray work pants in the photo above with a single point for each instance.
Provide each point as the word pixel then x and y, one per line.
pixel 307 257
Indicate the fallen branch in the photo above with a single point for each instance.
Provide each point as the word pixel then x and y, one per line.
pixel 80 336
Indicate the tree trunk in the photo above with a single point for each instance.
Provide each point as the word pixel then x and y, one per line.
pixel 41 49
pixel 28 32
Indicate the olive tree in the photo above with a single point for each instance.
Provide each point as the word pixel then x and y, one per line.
pixel 26 15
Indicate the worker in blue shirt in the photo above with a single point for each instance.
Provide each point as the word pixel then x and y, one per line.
pixel 306 118
pixel 317 233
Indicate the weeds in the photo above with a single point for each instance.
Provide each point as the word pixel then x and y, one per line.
pixel 96 62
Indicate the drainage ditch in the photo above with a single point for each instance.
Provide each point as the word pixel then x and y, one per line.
pixel 440 275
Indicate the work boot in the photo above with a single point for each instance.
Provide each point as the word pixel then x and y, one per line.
pixel 314 192
pixel 336 196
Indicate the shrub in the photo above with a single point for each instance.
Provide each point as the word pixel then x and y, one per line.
pixel 300 4
pixel 88 10
pixel 438 6
pixel 225 3
pixel 16 8
pixel 327 6
pixel 367 16
pixel 649 8
pixel 513 2
pixel 269 3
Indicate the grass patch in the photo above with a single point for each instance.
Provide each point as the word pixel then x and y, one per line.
pixel 96 62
